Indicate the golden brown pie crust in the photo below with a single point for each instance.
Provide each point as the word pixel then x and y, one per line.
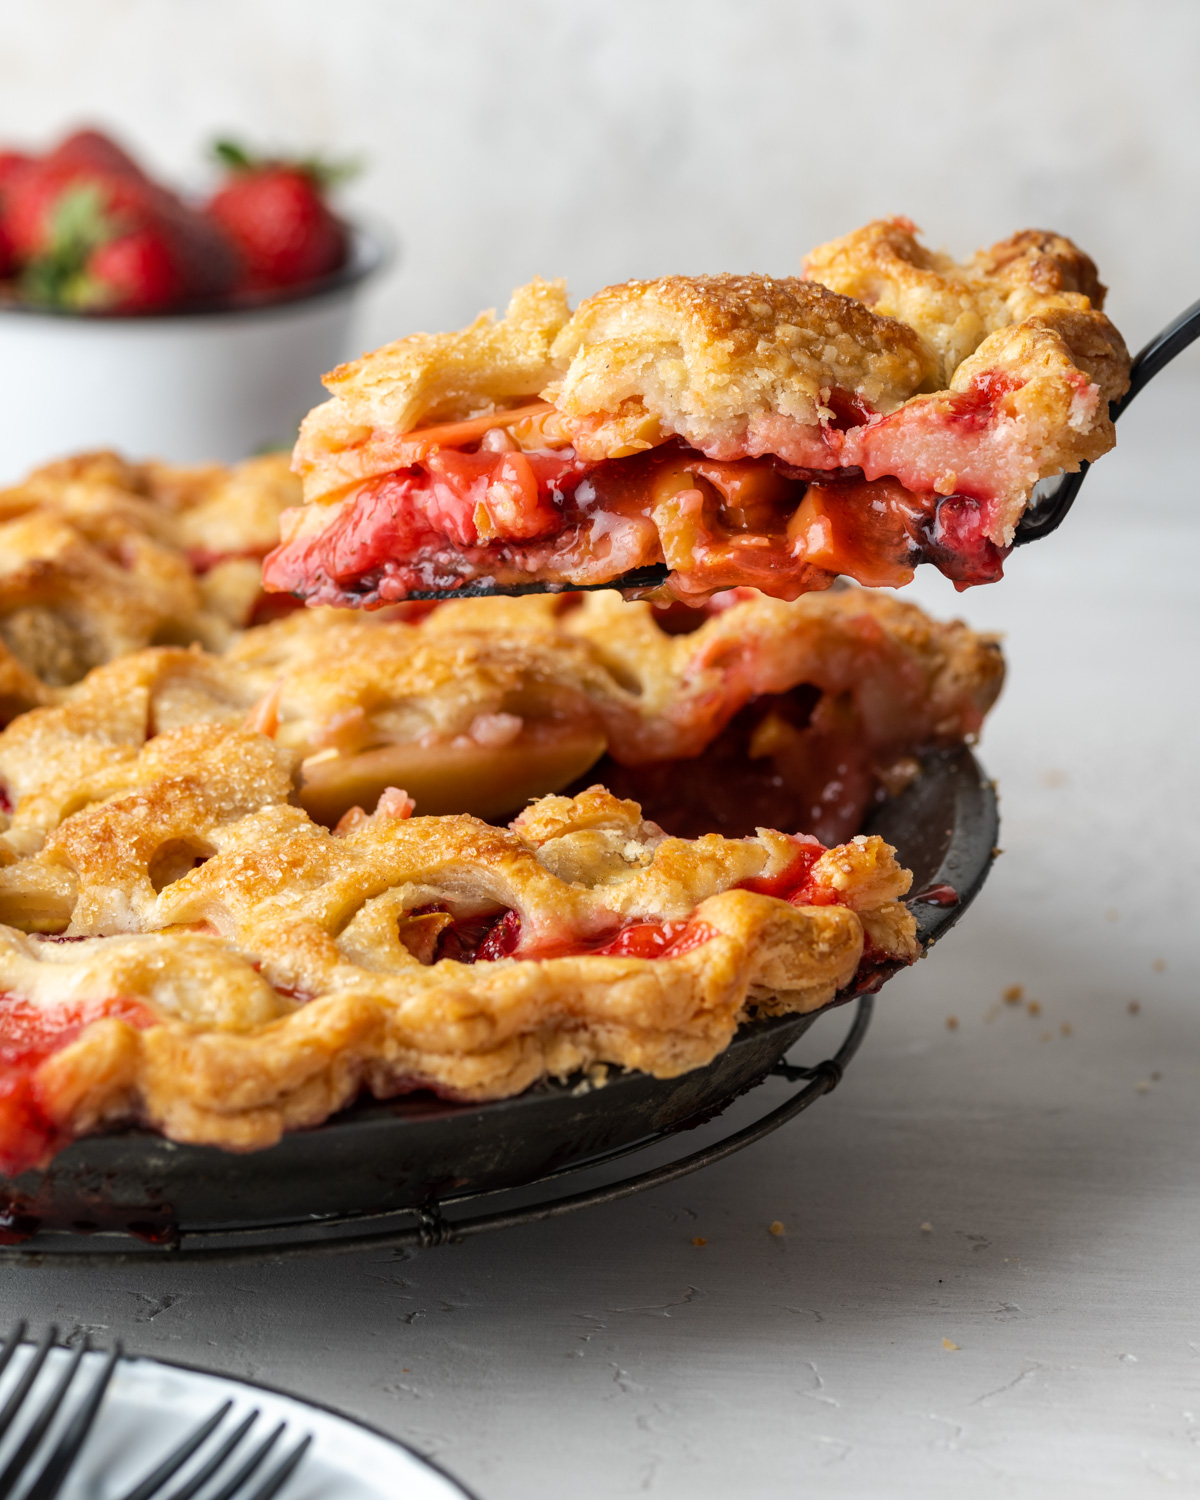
pixel 484 703
pixel 188 948
pixel 233 969
pixel 274 980
pixel 100 557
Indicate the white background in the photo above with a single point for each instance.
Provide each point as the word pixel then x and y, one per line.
pixel 607 1355
pixel 603 139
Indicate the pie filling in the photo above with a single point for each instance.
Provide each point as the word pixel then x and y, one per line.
pixel 29 1034
pixel 799 759
pixel 493 773
pixel 866 495
pixel 434 932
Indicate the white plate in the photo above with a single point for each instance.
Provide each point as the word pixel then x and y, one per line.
pixel 150 1407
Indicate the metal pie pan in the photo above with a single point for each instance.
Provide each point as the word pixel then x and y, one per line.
pixel 378 1158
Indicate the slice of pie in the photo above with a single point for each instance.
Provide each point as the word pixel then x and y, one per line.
pixel 889 407
pixel 99 557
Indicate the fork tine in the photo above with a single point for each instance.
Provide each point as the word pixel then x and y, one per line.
pixel 206 1470
pixel 32 1370
pixel 12 1343
pixel 177 1457
pixel 282 1472
pixel 54 1471
pixel 230 1489
pixel 37 1428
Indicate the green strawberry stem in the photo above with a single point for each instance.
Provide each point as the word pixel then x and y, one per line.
pixel 326 174
pixel 79 224
pixel 230 154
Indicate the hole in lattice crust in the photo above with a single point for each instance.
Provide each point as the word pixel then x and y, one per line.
pixel 175 859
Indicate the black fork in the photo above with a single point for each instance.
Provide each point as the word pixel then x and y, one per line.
pixel 236 1479
pixel 1053 498
pixel 57 1464
pixel 239 1472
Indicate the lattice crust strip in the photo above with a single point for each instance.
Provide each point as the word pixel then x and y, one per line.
pixel 233 970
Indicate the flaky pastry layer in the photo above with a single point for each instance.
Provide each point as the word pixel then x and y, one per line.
pixel 100 557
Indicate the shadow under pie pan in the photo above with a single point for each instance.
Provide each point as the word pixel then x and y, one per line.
pixel 352 1180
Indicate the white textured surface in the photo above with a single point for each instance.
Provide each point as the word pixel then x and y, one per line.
pixel 606 1355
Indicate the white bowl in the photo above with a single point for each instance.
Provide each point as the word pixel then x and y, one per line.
pixel 187 387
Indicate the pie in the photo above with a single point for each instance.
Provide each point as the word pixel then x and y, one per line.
pixel 811 710
pixel 232 969
pixel 187 946
pixel 888 407
pixel 99 557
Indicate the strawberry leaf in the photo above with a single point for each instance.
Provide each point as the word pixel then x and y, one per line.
pixel 329 174
pixel 231 154
pixel 79 223
pixel 325 173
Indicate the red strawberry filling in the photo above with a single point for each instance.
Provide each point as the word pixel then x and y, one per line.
pixel 870 504
pixel 29 1034
pixel 657 939
pixel 487 936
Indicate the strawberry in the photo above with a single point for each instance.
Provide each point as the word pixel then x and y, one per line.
pixel 275 214
pixel 11 162
pixel 35 191
pixel 94 151
pixel 94 232
pixel 134 273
